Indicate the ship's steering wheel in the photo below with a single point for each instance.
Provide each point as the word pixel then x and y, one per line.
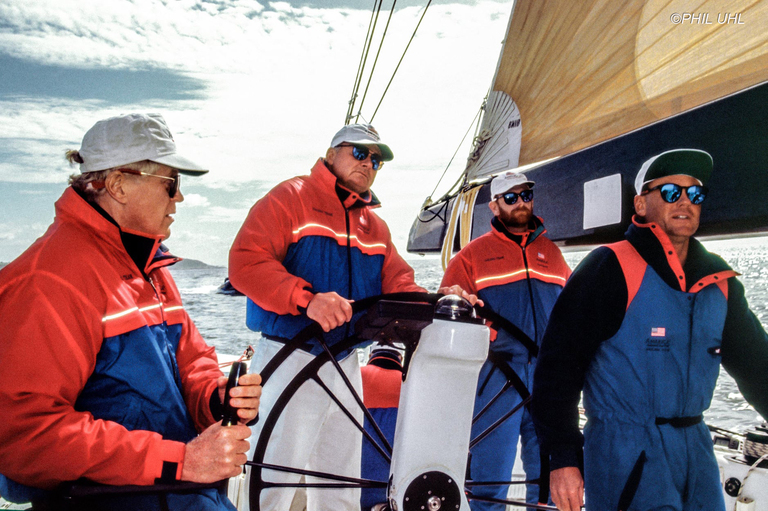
pixel 397 317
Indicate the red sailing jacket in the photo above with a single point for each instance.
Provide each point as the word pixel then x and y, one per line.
pixel 104 375
pixel 306 236
pixel 518 276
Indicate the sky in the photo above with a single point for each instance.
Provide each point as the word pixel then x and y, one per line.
pixel 254 90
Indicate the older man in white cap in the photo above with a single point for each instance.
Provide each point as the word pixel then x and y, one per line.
pixel 103 376
pixel 519 274
pixel 642 327
pixel 309 248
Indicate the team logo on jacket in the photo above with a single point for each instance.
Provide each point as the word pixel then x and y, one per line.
pixel 658 340
pixel 541 259
pixel 318 210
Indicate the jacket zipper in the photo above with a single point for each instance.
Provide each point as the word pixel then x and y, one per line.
pixel 174 366
pixel 349 264
pixel 530 297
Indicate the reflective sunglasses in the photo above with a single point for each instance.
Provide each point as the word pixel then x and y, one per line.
pixel 360 152
pixel 671 193
pixel 511 197
pixel 172 188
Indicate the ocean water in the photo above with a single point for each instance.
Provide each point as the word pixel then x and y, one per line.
pixel 221 318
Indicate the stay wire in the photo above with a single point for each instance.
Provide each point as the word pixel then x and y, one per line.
pixel 363 58
pixel 401 59
pixel 375 61
pixel 456 152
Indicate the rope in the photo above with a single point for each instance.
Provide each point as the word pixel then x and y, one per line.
pixel 363 57
pixel 247 355
pixel 477 146
pixel 401 59
pixel 456 152
pixel 375 61
pixel 744 481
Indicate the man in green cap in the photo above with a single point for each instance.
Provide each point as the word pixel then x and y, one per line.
pixel 642 327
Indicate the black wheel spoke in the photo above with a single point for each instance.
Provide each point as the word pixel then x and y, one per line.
pixel 352 482
pixel 488 405
pixel 360 427
pixel 479 438
pixel 359 402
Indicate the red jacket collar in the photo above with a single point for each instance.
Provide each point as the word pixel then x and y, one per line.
pixel 523 239
pixel 146 251
pixel 348 198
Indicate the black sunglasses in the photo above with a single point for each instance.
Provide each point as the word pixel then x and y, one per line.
pixel 173 188
pixel 360 152
pixel 511 197
pixel 670 192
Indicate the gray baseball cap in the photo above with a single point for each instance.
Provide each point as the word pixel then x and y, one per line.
pixel 131 138
pixel 362 134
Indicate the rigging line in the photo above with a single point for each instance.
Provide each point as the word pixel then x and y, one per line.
pixel 376 60
pixel 401 59
pixel 478 125
pixel 363 58
pixel 457 151
pixel 437 214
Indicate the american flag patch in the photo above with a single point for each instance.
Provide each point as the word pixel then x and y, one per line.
pixel 658 331
pixel 541 256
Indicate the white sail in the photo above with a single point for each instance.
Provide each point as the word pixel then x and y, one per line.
pixel 497 146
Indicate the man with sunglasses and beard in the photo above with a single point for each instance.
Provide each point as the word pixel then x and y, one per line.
pixel 103 375
pixel 308 249
pixel 642 327
pixel 519 274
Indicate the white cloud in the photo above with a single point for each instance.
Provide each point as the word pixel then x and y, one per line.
pixel 275 85
pixel 194 200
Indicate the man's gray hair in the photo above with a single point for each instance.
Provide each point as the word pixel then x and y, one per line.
pixel 82 182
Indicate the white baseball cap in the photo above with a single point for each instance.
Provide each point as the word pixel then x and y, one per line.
pixel 362 134
pixel 131 138
pixel 508 180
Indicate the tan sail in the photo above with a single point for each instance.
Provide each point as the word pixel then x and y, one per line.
pixel 588 71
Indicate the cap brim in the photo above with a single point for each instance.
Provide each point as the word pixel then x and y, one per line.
pixel 386 152
pixel 183 165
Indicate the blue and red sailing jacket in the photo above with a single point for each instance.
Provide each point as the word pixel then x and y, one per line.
pixel 103 375
pixel 310 235
pixel 518 276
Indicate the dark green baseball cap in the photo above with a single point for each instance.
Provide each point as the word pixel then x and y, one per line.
pixel 690 162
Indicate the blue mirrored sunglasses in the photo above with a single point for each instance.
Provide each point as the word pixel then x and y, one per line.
pixel 670 192
pixel 360 152
pixel 511 197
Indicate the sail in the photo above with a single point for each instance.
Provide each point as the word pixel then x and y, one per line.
pixel 589 71
pixel 496 147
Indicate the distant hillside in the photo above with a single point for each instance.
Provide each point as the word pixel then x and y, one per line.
pixel 192 264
